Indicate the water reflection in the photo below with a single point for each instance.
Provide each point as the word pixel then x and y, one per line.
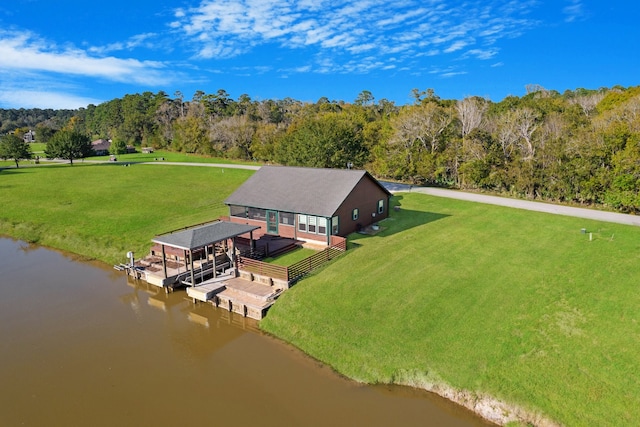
pixel 82 345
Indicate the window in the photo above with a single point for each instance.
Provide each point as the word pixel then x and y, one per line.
pixel 312 224
pixel 355 214
pixel 335 221
pixel 302 222
pixel 286 218
pixel 238 211
pixel 255 213
pixel 322 225
pixel 381 206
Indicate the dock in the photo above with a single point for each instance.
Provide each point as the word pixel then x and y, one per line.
pixel 206 290
pixel 218 264
pixel 236 295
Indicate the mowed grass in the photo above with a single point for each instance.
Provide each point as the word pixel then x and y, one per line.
pixel 515 304
pixel 168 156
pixel 519 305
pixel 102 211
pixel 37 148
pixel 156 156
pixel 291 257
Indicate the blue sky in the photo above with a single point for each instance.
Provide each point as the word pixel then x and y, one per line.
pixel 68 54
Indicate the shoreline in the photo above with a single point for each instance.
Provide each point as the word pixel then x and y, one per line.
pixel 488 407
pixel 485 406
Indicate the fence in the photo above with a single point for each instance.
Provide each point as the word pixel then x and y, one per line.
pixel 300 268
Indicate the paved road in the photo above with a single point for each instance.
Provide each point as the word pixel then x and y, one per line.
pixel 519 204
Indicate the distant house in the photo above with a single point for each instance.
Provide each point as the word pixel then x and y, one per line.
pixel 29 136
pixel 309 204
pixel 101 147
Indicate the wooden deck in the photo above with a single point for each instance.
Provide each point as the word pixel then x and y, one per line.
pixel 250 295
pixel 266 245
pixel 237 295
pixel 150 269
pixel 249 299
pixel 207 290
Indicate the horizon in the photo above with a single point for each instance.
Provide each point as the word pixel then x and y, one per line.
pixel 61 56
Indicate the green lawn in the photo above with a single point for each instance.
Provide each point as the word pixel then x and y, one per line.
pixel 517 304
pixel 37 148
pixel 156 156
pixel 103 211
pixel 291 257
pixel 170 157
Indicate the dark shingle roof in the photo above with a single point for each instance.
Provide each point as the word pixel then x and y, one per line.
pixel 312 191
pixel 101 144
pixel 198 237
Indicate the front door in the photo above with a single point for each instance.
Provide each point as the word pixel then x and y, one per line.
pixel 272 222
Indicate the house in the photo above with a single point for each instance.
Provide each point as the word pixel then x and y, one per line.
pixel 309 204
pixel 101 147
pixel 29 136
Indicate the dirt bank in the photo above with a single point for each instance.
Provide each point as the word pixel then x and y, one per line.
pixel 487 407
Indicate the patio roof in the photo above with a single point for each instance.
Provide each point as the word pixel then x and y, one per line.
pixel 203 235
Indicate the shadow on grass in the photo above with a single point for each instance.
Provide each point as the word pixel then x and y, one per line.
pixel 399 220
pixel 12 170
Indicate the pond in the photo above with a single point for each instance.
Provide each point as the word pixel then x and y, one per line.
pixel 81 344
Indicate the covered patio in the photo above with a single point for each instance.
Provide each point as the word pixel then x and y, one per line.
pixel 193 254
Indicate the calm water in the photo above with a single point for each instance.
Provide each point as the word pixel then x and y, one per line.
pixel 82 345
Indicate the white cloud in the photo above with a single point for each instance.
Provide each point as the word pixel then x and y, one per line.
pixel 481 53
pixel 43 99
pixel 22 51
pixel 362 48
pixel 138 40
pixel 574 11
pixel 402 18
pixel 304 69
pixel 453 74
pixel 457 45
pixel 346 30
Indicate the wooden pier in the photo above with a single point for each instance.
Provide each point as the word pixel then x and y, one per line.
pixel 213 261
pixel 237 295
pixel 208 289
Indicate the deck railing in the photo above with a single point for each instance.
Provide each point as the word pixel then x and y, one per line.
pixel 262 268
pixel 300 268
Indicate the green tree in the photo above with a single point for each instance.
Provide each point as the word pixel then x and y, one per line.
pixel 364 98
pixel 329 140
pixel 624 191
pixel 218 104
pixel 190 135
pixel 118 146
pixel 44 133
pixel 69 145
pixel 264 141
pixel 13 147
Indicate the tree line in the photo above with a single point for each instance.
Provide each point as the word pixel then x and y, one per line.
pixel 580 147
